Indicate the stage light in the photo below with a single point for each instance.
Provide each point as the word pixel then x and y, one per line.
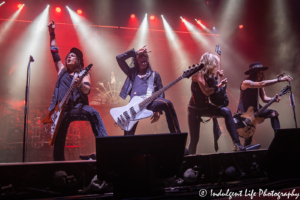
pixel 140 38
pixel 2 3
pixel 132 16
pixel 182 19
pixel 198 21
pixel 214 28
pixel 241 26
pixel 162 16
pixel 152 17
pixel 58 9
pixel 79 12
pixel 20 6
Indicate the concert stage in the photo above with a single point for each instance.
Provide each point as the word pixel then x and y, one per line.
pixel 235 171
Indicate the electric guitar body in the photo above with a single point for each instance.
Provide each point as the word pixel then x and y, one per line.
pixel 54 120
pixel 246 122
pixel 128 113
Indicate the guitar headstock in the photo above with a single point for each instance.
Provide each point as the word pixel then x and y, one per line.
pixel 218 49
pixel 191 71
pixel 285 90
pixel 85 70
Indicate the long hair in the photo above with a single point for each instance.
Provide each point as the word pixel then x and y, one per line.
pixel 79 63
pixel 210 61
pixel 253 77
pixel 135 65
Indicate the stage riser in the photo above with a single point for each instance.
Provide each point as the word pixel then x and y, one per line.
pixel 211 170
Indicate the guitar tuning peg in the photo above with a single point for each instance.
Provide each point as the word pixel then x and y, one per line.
pixel 193 65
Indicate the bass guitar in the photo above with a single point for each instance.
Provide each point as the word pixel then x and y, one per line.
pixel 55 116
pixel 219 98
pixel 245 122
pixel 130 114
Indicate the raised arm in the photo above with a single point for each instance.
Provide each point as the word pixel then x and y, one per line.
pixel 251 84
pixel 121 59
pixel 205 87
pixel 54 49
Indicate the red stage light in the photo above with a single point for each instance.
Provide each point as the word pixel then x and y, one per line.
pixel 79 12
pixel 20 6
pixel 132 16
pixel 58 9
pixel 198 22
pixel 241 26
pixel 152 17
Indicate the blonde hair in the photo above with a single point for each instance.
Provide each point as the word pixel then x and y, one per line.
pixel 210 61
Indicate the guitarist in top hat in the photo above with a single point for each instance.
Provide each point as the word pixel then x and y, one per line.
pixel 253 87
pixel 78 105
pixel 138 83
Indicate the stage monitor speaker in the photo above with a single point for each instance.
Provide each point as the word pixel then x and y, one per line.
pixel 137 165
pixel 282 158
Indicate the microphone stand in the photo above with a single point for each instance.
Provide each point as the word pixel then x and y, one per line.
pixel 26 106
pixel 293 104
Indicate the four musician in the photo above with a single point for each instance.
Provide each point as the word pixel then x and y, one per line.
pixel 143 81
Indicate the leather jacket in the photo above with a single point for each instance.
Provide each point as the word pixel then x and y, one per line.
pixel 132 73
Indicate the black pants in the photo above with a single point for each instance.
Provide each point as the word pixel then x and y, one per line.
pixel 86 113
pixel 274 122
pixel 158 105
pixel 194 119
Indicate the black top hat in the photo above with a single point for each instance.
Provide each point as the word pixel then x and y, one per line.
pixel 255 67
pixel 78 54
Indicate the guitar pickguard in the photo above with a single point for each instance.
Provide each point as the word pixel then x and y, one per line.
pixel 243 128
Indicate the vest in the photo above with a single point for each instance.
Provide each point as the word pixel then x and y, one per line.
pixel 62 85
pixel 198 99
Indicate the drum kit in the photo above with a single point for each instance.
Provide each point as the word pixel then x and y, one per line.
pixel 12 126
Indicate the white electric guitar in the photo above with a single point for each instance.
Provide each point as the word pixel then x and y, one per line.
pixel 130 114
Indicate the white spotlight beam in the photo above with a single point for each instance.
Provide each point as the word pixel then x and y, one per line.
pixel 140 37
pixel 2 3
pixel 30 43
pixel 201 40
pixel 91 41
pixel 181 58
pixel 7 24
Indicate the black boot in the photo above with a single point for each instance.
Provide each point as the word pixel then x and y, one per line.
pixel 238 147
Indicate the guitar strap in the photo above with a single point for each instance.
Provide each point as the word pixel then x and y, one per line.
pixel 150 83
pixel 75 76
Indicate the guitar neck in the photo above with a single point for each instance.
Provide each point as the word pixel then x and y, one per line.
pixel 64 101
pixel 158 93
pixel 265 106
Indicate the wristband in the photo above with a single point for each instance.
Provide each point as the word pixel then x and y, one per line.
pixel 279 79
